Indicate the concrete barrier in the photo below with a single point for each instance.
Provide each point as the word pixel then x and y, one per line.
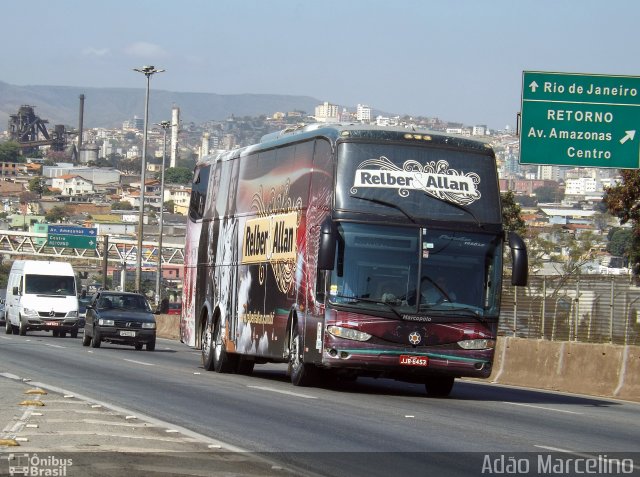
pixel 584 368
pixel 168 326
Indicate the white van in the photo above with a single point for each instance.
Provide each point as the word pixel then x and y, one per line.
pixel 41 296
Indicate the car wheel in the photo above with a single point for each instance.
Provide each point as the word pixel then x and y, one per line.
pixel 22 330
pixel 151 345
pixel 7 327
pixel 138 346
pixel 86 339
pixel 95 339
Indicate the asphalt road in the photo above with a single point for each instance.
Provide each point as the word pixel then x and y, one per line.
pixel 370 427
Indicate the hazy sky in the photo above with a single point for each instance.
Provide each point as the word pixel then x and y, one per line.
pixel 459 60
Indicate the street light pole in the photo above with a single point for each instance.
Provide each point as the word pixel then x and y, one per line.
pixel 148 71
pixel 164 125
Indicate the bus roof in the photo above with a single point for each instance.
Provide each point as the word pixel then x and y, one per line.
pixel 337 131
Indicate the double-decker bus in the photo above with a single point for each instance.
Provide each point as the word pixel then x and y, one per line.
pixel 346 251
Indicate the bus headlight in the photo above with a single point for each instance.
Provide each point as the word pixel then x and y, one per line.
pixel 104 322
pixel 348 333
pixel 477 344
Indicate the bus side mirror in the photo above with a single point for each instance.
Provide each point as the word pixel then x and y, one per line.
pixel 519 260
pixel 327 245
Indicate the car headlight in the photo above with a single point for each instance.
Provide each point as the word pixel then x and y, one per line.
pixel 477 344
pixel 29 312
pixel 348 333
pixel 149 326
pixel 104 322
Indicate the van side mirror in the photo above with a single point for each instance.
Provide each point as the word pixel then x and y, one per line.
pixel 327 245
pixel 519 260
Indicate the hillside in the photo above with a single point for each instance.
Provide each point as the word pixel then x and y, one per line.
pixel 109 107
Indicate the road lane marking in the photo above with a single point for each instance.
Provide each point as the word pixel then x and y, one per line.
pixel 139 362
pixel 289 393
pixel 54 346
pixel 542 407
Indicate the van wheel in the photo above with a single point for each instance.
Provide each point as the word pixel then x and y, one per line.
pixel 74 333
pixel 7 326
pixel 22 330
pixel 56 333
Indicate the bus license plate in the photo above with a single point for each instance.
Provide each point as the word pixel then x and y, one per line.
pixel 408 360
pixel 127 333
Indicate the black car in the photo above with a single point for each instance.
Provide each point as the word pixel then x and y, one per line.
pixel 119 317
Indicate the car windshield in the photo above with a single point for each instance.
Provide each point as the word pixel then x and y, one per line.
pixel 124 302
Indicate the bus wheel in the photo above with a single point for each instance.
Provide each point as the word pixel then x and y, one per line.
pixel 222 361
pixel 302 374
pixel 439 386
pixel 206 338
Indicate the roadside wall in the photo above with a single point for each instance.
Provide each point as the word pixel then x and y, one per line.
pixel 584 368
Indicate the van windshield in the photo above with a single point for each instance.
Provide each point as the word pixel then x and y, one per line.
pixel 49 285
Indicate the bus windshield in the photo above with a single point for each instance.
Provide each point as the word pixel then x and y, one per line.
pixel 415 270
pixel 422 183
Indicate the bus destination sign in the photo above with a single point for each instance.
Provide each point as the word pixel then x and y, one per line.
pixel 580 120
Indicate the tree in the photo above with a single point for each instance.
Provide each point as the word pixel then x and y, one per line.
pixel 37 185
pixel 623 201
pixel 56 214
pixel 512 214
pixel 546 194
pixel 178 175
pixel 170 205
pixel 620 241
pixel 121 205
pixel 10 152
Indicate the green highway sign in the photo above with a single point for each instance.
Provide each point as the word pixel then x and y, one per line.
pixel 71 241
pixel 580 120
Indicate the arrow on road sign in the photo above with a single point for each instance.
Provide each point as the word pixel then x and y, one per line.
pixel 533 86
pixel 628 135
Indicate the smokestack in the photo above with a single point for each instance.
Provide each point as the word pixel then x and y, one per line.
pixel 81 123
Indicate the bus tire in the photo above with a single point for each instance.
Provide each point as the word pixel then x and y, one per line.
pixel 206 338
pixel 439 386
pixel 302 374
pixel 223 362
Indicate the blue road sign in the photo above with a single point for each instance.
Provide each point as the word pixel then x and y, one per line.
pixel 72 230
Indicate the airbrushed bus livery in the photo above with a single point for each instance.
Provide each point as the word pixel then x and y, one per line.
pixel 346 251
